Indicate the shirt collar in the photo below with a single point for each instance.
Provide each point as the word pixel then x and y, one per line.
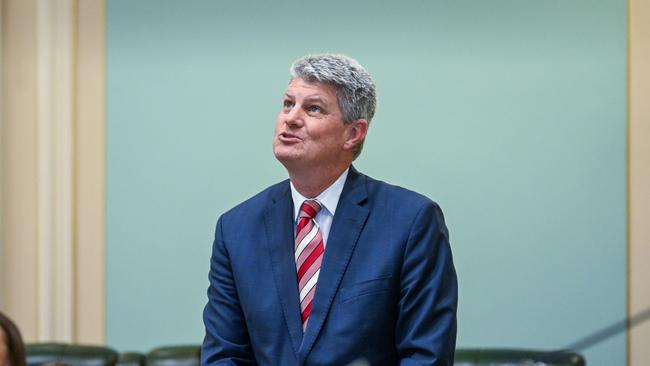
pixel 329 198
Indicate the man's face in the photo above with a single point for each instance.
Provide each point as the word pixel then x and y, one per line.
pixel 309 131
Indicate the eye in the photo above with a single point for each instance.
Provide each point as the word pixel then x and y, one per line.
pixel 314 109
pixel 287 104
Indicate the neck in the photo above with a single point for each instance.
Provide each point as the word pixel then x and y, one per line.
pixel 311 183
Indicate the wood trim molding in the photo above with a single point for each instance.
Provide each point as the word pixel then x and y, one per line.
pixel 55 168
pixel 639 178
pixel 2 290
pixel 91 176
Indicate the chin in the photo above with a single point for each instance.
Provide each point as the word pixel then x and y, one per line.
pixel 285 155
pixel 287 158
pixel 287 151
pixel 291 160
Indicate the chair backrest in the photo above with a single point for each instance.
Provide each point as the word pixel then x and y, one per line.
pixel 77 355
pixel 131 359
pixel 516 357
pixel 175 356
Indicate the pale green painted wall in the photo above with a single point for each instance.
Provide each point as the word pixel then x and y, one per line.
pixel 510 114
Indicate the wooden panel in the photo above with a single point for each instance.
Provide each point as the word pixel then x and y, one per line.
pixel 89 224
pixel 52 262
pixel 19 225
pixel 639 179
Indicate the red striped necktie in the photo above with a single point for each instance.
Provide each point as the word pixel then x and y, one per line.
pixel 309 255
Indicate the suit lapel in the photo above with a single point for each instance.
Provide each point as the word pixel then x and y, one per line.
pixel 279 234
pixel 348 222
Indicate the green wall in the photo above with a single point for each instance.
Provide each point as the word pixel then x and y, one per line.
pixel 510 114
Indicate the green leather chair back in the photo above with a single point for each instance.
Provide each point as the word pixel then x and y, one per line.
pixel 175 356
pixel 516 357
pixel 131 359
pixel 41 353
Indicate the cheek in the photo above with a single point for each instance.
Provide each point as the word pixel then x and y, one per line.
pixel 331 136
pixel 3 355
pixel 279 122
pixel 3 349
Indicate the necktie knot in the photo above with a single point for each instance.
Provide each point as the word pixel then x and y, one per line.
pixel 309 209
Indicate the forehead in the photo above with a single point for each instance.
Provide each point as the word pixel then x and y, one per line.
pixel 301 88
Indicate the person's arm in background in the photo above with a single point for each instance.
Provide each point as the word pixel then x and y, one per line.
pixel 426 323
pixel 226 336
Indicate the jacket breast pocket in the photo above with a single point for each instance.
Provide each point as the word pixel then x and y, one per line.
pixel 364 288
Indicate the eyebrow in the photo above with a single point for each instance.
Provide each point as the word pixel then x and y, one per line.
pixel 313 97
pixel 316 98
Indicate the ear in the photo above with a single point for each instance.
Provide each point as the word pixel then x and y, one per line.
pixel 355 133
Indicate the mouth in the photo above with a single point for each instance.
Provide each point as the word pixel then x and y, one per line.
pixel 288 138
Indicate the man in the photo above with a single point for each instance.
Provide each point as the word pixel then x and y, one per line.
pixel 330 266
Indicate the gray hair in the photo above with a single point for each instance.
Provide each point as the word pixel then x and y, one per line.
pixel 355 89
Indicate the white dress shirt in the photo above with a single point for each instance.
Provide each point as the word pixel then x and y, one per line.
pixel 328 200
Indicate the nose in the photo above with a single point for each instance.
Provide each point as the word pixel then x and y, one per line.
pixel 294 117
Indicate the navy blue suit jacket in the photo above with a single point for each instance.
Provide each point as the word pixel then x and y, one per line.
pixel 386 292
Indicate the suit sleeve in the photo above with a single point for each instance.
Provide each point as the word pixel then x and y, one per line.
pixel 426 324
pixel 226 339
